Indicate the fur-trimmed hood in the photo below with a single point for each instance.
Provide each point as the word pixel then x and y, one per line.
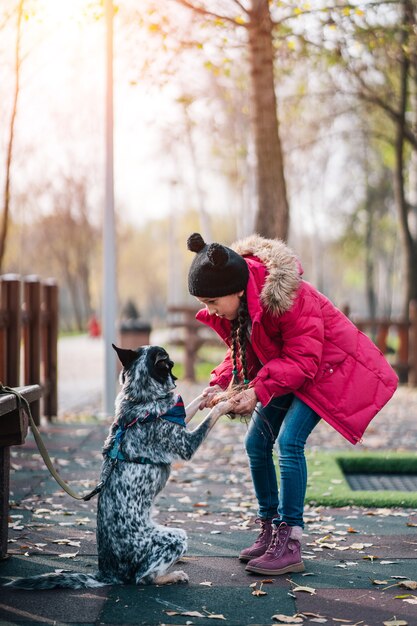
pixel 284 270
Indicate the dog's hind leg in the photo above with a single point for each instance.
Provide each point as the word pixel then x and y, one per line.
pixel 167 546
pixel 177 576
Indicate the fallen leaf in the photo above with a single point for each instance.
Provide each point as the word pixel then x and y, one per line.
pixel 408 584
pixel 68 555
pixel 396 622
pixel 411 600
pixel 259 592
pixel 185 613
pixel 359 546
pixel 305 589
pixel 206 583
pixel 67 542
pixel 380 582
pixel 216 616
pixel 287 619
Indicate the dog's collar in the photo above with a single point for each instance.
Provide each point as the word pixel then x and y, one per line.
pixel 174 414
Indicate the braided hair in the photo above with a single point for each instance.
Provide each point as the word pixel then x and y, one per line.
pixel 238 344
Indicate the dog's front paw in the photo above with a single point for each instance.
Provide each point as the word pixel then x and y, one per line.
pixel 223 407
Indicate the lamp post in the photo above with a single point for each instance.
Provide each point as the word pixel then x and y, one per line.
pixel 109 231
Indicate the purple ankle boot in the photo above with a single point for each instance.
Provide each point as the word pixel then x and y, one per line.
pixel 262 542
pixel 282 556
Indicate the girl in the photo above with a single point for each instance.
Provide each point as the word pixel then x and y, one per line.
pixel 298 359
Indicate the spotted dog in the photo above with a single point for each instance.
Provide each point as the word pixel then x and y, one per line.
pixel 149 432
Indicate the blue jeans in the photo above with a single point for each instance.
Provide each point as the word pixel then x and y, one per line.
pixel 288 421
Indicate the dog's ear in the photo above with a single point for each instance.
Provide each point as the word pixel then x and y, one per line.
pixel 126 357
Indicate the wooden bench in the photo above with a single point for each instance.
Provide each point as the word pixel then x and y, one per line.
pixel 13 431
pixel 195 335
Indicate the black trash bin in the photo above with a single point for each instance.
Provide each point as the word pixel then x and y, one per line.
pixel 134 333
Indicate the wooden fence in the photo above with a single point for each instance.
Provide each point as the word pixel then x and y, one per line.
pixel 29 327
pixel 397 339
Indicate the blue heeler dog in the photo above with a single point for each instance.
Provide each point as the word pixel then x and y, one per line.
pixel 148 433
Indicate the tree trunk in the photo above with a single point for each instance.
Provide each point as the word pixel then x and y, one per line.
pixel 369 258
pixel 273 212
pixel 6 194
pixel 410 242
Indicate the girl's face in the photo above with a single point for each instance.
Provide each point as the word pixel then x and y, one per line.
pixel 224 306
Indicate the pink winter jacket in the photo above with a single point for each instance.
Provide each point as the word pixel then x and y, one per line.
pixel 301 343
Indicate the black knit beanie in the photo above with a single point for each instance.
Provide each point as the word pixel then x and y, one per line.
pixel 216 270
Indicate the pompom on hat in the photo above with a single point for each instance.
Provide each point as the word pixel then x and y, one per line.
pixel 216 270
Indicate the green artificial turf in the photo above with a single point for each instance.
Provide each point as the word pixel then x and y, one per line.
pixel 328 486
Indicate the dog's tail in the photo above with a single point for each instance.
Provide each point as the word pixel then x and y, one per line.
pixel 62 580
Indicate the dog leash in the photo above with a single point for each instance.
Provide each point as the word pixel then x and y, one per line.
pixel 23 405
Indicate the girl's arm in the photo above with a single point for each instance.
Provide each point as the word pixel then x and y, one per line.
pixel 222 374
pixel 302 332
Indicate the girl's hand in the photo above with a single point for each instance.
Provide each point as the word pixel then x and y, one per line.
pixel 208 395
pixel 244 403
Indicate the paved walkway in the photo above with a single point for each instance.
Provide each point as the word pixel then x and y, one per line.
pixel 80 374
pixel 346 551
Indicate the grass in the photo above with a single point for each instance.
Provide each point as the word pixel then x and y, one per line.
pixel 202 371
pixel 209 357
pixel 327 484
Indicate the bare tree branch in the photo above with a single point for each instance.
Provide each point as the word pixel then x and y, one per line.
pixel 336 134
pixel 202 11
pixel 6 17
pixel 241 7
pixel 370 96
pixel 339 7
